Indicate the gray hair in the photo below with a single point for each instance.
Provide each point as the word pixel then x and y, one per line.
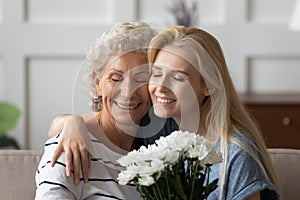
pixel 120 39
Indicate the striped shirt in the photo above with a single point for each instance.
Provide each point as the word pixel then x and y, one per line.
pixel 52 182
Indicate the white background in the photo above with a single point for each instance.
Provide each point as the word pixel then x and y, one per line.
pixel 43 42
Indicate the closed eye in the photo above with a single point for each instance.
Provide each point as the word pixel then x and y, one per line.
pixel 156 72
pixel 178 78
pixel 141 77
pixel 116 77
pixel 156 75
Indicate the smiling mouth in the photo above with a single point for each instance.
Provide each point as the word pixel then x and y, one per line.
pixel 126 107
pixel 164 100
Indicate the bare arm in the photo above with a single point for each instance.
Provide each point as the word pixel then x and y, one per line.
pixel 72 128
pixel 255 196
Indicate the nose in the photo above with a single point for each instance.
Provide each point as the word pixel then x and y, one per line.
pixel 162 83
pixel 127 88
pixel 162 88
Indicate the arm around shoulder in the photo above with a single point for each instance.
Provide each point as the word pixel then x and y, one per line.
pixel 51 182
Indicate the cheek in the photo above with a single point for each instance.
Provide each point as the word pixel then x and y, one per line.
pixel 143 92
pixel 151 89
pixel 107 89
pixel 185 95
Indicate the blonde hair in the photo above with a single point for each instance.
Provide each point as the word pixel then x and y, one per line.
pixel 120 39
pixel 223 111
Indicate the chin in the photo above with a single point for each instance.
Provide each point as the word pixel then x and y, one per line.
pixel 160 112
pixel 124 119
pixel 127 125
pixel 128 119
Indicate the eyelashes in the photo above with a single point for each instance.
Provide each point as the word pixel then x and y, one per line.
pixel 141 77
pixel 177 76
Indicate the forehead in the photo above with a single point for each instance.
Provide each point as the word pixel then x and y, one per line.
pixel 128 61
pixel 173 61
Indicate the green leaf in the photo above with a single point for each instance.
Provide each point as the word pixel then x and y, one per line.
pixel 9 142
pixel 9 115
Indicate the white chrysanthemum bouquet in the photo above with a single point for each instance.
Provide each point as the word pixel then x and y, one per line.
pixel 175 167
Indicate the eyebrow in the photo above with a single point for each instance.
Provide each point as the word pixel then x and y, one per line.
pixel 178 71
pixel 116 70
pixel 141 72
pixel 182 72
pixel 121 72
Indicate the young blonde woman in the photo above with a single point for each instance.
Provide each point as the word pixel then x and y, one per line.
pixel 189 74
pixel 191 88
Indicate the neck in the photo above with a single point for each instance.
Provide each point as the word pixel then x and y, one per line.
pixel 189 123
pixel 115 133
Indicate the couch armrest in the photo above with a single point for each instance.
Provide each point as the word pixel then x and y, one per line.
pixel 287 166
pixel 17 173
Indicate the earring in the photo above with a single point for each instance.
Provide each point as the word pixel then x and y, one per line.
pixel 97 103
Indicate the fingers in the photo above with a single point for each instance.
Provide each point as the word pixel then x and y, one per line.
pixel 89 157
pixel 85 163
pixel 56 154
pixel 76 166
pixel 68 157
pixel 77 157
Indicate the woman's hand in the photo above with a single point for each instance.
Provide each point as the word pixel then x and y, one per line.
pixel 72 129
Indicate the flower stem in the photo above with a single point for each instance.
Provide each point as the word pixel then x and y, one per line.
pixel 155 192
pixel 158 191
pixel 194 178
pixel 167 183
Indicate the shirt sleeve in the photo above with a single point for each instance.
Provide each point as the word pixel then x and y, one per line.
pixel 244 176
pixel 52 182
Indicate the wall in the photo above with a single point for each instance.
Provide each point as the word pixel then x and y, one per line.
pixel 43 44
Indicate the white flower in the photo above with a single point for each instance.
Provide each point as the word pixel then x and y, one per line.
pixel 171 157
pixel 213 157
pixel 146 180
pixel 178 140
pixel 150 168
pixel 145 165
pixel 125 177
pixel 199 151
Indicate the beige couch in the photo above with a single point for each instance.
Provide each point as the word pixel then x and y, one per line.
pixel 17 171
pixel 287 166
pixel 18 168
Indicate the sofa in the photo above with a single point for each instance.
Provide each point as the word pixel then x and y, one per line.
pixel 17 171
pixel 18 168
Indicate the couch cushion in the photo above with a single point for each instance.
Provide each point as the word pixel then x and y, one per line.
pixel 17 174
pixel 287 166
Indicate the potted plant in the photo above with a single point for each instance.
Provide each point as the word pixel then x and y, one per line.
pixel 9 116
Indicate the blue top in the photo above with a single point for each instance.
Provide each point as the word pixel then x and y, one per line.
pixel 244 176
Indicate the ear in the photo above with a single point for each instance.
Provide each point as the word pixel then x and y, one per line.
pixel 208 91
pixel 97 86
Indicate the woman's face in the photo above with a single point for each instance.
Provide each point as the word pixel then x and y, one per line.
pixel 175 86
pixel 124 88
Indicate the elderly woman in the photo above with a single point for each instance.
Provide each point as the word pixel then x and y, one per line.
pixel 117 76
